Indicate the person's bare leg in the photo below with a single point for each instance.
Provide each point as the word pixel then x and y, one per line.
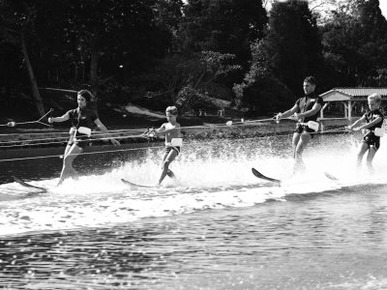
pixel 370 157
pixel 303 141
pixel 68 169
pixel 295 139
pixel 362 150
pixel 167 160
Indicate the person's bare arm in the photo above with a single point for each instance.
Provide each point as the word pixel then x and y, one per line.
pixel 103 128
pixel 60 119
pixel 367 125
pixel 287 113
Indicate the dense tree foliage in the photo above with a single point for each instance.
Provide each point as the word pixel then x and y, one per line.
pixel 227 26
pixel 295 47
pixel 290 51
pixel 355 44
pixel 156 52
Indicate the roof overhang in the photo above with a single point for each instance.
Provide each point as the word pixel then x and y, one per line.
pixel 335 96
pixel 352 94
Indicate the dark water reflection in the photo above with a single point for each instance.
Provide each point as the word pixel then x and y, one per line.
pixel 45 163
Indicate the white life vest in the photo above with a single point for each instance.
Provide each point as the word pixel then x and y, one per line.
pixel 175 142
pixel 83 130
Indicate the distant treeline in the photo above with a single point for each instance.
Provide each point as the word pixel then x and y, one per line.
pixel 159 52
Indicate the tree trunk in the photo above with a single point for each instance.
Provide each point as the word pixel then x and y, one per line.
pixel 34 86
pixel 94 75
pixel 94 69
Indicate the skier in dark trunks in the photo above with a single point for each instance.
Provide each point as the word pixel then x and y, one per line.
pixel 304 110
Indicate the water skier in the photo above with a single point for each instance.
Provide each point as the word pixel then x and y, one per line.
pixel 304 110
pixel 82 120
pixel 373 123
pixel 173 141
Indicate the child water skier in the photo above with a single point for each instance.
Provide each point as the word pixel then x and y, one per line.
pixel 372 127
pixel 173 141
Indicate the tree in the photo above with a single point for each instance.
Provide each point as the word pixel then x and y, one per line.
pixel 187 80
pixel 355 44
pixel 17 25
pixel 116 40
pixel 95 27
pixel 261 92
pixel 289 52
pixel 100 44
pixel 227 26
pixel 374 42
pixel 294 46
pixel 213 41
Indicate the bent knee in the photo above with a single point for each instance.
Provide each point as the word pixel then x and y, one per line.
pixel 166 164
pixel 299 150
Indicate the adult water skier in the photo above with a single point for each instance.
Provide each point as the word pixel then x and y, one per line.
pixel 304 110
pixel 83 120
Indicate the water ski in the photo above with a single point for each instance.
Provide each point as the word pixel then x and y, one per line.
pixel 137 185
pixel 331 177
pixel 25 184
pixel 261 176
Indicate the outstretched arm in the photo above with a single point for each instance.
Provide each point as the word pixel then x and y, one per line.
pixel 161 129
pixel 368 125
pixel 60 119
pixel 287 113
pixel 356 123
pixel 103 128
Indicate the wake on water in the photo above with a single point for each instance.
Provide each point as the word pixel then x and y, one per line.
pixel 210 176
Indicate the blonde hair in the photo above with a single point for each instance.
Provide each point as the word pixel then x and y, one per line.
pixel 172 110
pixel 376 97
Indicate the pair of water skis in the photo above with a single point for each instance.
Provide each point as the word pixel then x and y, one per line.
pixel 255 172
pixel 38 189
pixel 44 190
pixel 278 181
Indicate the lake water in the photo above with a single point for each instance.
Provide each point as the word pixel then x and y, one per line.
pixel 216 227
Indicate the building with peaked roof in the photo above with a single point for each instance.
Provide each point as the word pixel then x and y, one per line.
pixel 349 98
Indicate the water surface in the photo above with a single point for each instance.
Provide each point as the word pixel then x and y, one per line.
pixel 217 227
